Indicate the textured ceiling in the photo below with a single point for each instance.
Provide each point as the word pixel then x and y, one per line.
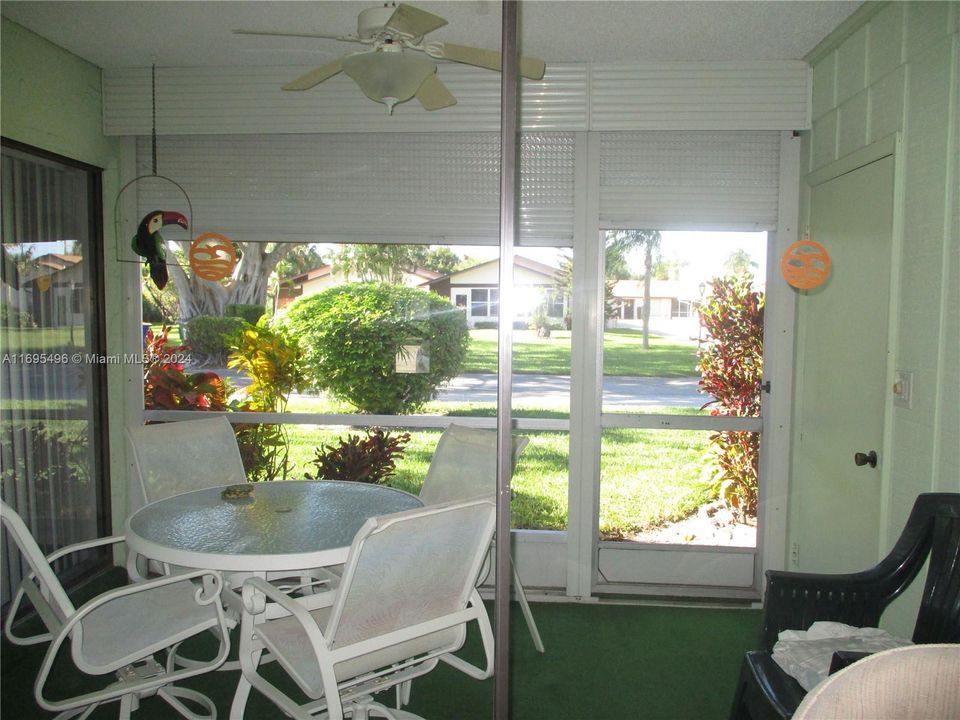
pixel 189 34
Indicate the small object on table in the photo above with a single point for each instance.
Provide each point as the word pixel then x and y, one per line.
pixel 237 492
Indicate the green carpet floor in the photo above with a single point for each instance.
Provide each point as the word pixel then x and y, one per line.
pixel 619 661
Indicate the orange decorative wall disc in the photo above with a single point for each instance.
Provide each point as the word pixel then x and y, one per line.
pixel 212 256
pixel 805 264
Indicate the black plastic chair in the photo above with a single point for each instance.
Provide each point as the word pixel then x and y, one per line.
pixel 797 600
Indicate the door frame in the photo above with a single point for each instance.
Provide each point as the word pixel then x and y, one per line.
pixel 587 382
pixel 98 412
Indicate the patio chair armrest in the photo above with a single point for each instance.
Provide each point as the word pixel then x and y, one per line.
pixel 85 545
pixel 256 591
pixel 796 600
pixel 202 596
pixel 486 635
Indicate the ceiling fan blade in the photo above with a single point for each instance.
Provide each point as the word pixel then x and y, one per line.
pixel 412 21
pixel 315 77
pixel 434 95
pixel 281 33
pixel 532 68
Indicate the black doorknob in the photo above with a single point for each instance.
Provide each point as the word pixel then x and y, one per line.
pixel 870 458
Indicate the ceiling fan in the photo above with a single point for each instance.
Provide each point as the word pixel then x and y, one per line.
pixel 386 72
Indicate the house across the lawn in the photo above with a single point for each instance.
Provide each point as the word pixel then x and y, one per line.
pixel 474 289
pixel 54 284
pixel 326 276
pixel 669 299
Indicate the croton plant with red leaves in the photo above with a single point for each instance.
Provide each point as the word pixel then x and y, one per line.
pixel 731 366
pixel 167 387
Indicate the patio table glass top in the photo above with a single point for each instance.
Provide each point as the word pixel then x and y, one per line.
pixel 278 526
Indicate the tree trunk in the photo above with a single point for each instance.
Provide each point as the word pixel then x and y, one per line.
pixel 247 286
pixel 648 271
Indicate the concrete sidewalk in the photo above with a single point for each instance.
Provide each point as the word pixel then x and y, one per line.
pixel 554 390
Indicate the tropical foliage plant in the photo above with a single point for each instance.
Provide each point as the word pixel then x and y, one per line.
pixel 371 459
pixel 731 366
pixel 352 334
pixel 167 387
pixel 271 358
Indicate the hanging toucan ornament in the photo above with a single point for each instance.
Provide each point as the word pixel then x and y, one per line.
pixel 148 242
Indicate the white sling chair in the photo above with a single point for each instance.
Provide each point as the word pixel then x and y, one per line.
pixel 119 631
pixel 464 465
pixel 407 594
pixel 171 458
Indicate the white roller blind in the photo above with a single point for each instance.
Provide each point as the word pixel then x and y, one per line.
pixel 699 96
pixel 689 180
pixel 379 187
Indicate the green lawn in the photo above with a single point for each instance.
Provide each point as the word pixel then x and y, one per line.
pixel 622 350
pixel 173 337
pixel 48 340
pixel 648 477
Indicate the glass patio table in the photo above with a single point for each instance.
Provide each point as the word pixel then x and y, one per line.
pixel 280 526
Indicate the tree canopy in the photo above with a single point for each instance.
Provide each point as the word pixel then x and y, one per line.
pixel 388 262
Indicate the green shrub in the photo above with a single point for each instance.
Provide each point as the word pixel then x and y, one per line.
pixel 351 335
pixel 11 317
pixel 250 313
pixel 210 337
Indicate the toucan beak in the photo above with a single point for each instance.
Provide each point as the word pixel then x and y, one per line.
pixel 171 218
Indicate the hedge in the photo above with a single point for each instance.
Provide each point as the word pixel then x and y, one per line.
pixel 209 337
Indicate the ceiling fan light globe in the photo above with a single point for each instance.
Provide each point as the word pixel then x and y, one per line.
pixel 388 75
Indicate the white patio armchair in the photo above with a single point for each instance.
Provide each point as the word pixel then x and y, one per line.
pixel 119 632
pixel 464 465
pixel 393 617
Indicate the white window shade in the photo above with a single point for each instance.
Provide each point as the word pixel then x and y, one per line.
pixel 363 187
pixel 689 180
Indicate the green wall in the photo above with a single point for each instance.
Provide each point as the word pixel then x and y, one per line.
pixel 895 69
pixel 52 100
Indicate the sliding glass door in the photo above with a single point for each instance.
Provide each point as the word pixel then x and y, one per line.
pixel 52 443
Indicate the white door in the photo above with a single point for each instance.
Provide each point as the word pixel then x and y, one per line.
pixel 843 328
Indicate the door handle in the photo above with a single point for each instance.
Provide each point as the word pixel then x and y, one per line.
pixel 860 459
